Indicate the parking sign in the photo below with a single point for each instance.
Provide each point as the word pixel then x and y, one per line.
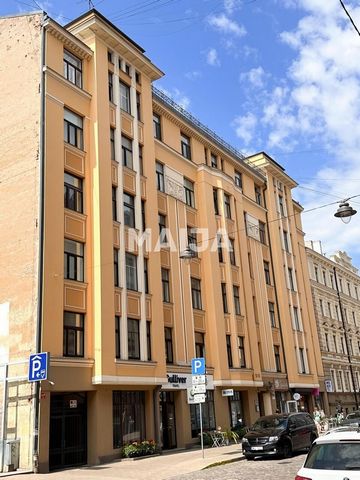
pixel 38 367
pixel 198 366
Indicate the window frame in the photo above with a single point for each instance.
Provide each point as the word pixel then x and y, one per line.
pixel 157 130
pixel 169 346
pixel 125 97
pixel 131 272
pixel 224 298
pixel 227 205
pixel 237 304
pixel 74 192
pixel 185 143
pixel 127 152
pixel 74 262
pixel 165 283
pixel 78 334
pixel 129 210
pixel 160 177
pixel 267 272
pixel 68 67
pixel 238 179
pixel 196 297
pixel 133 339
pixel 189 189
pixel 229 351
pixel 71 129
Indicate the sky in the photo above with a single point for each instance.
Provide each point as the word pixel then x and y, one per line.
pixel 280 76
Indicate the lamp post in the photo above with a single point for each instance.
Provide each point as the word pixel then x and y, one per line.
pixel 346 341
pixel 345 210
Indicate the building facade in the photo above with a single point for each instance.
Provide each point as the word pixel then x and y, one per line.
pixel 117 181
pixel 335 285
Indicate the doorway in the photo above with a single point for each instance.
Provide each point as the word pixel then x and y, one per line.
pixel 168 420
pixel 68 430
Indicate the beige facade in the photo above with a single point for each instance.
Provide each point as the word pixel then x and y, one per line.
pixel 335 285
pixel 123 318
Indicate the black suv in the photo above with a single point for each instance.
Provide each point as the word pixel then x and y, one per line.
pixel 279 435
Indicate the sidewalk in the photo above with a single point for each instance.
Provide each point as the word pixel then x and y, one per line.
pixel 156 468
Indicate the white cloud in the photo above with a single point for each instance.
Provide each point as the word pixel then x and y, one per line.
pixel 212 58
pixel 225 25
pixel 231 5
pixel 193 75
pixel 245 127
pixel 255 76
pixel 178 97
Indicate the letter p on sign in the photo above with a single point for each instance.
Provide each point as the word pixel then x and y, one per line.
pixel 198 366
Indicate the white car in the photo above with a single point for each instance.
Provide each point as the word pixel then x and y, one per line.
pixel 334 456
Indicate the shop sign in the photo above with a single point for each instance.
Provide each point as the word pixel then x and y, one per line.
pixel 73 404
pixel 329 386
pixel 182 381
pixel 229 392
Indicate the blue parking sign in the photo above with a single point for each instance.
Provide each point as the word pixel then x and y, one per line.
pixel 38 366
pixel 198 366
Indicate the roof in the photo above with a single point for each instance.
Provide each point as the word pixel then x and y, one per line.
pixel 100 15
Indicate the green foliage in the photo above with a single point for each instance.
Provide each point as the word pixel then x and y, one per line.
pixel 232 436
pixel 139 449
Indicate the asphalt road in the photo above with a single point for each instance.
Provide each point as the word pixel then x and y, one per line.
pixel 260 469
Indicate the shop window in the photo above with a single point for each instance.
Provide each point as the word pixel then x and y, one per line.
pixel 208 415
pixel 128 417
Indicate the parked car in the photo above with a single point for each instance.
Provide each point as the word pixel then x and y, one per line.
pixel 279 434
pixel 352 418
pixel 335 455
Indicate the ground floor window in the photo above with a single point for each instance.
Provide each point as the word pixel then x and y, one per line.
pixel 128 417
pixel 208 415
pixel 236 410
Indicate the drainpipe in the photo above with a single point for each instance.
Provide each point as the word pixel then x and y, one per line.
pixel 275 287
pixel 41 240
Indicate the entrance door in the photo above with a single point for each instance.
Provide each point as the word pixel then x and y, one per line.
pixel 68 438
pixel 167 412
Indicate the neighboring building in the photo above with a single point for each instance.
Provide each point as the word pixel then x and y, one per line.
pixel 336 294
pixel 93 156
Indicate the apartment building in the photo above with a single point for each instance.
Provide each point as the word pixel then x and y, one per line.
pixel 117 181
pixel 335 286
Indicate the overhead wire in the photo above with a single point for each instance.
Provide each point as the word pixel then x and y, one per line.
pixel 348 14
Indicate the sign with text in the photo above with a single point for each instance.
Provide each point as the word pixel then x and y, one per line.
pixel 199 388
pixel 229 392
pixel 198 379
pixel 196 398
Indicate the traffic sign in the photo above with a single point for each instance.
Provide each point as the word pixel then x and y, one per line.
pixel 199 388
pixel 296 396
pixel 38 366
pixel 198 366
pixel 198 379
pixel 199 398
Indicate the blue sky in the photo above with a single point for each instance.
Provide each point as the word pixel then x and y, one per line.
pixel 276 75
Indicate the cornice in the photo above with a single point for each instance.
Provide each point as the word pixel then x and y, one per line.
pixel 68 39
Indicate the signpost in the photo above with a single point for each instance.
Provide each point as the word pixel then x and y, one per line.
pixel 198 389
pixel 38 367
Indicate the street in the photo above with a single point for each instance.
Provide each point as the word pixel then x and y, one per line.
pixel 261 469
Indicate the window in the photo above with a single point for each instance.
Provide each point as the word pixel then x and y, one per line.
pixel 291 279
pixel 162 228
pixel 214 161
pixel 112 144
pixel 189 192
pixel 157 126
pixel 286 241
pixel 111 86
pixel 129 210
pixel 138 77
pixel 74 260
pixel 267 273
pixel 329 309
pixel 169 354
pixel 127 153
pixel 114 203
pixel 110 56
pixel 335 343
pixel 316 271
pixel 227 205
pixel 131 271
pixel 146 276
pixel 354 318
pixel 216 202
pixel 281 206
pixel 199 345
pixel 277 358
pixel 272 314
pixel 128 417
pixel 340 285
pixel 133 339
pixel 241 345
pixel 141 162
pixel 220 250
pixel 262 232
pixel 160 176
pixel 349 288
pixel 143 216
pixel 258 198
pixel 72 69
pixel 192 240
pixel 196 293
pixel 73 340
pixel 165 285
pixel 238 179
pixel 332 280
pixel 337 312
pixel 296 319
pixel 327 342
pixel 356 293
pixel 232 251
pixel 224 298
pixel 236 300
pixel 148 339
pixel 229 352
pixel 117 336
pixel 321 303
pixel 138 106
pixel 125 97
pixel 73 129
pixel 324 276
pixel 116 267
pixel 302 360
pixel 185 146
pixel 73 193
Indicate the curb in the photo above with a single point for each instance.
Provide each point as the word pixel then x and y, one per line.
pixel 224 462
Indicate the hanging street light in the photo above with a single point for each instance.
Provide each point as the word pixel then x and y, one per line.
pixel 345 210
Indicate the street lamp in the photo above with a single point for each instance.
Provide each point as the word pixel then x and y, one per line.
pixel 345 211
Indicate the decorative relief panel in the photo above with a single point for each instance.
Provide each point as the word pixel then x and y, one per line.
pixel 112 116
pixel 117 302
pixel 143 187
pixel 141 133
pixel 74 226
pixel 114 173
pixel 74 161
pixel 199 321
pixel 252 227
pixel 148 308
pixel 174 183
pixel 126 125
pixel 75 297
pixel 129 181
pixel 133 305
pixel 116 236
pixel 168 315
